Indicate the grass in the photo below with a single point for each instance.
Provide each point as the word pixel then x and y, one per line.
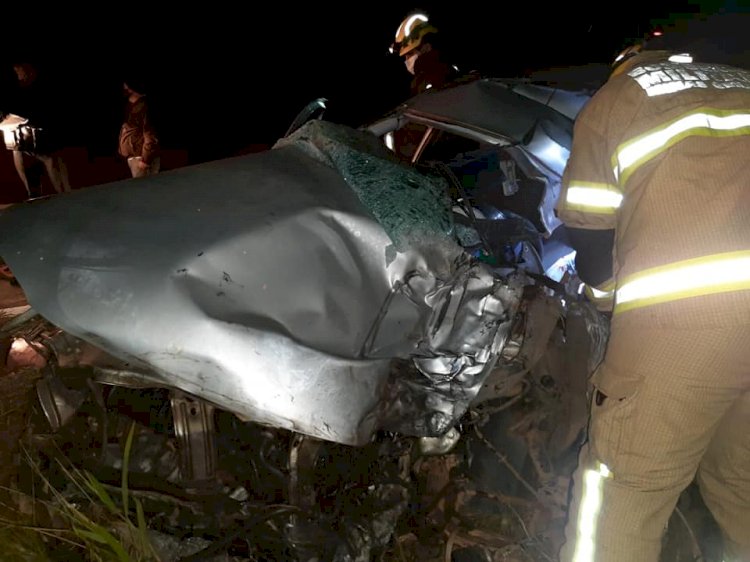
pixel 93 528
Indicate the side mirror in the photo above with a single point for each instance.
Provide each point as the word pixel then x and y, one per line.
pixel 313 110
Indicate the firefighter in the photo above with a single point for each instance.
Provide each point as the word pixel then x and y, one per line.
pixel 660 167
pixel 418 44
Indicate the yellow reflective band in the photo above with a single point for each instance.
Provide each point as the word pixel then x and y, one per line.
pixel 705 122
pixel 591 503
pixel 592 197
pixel 718 273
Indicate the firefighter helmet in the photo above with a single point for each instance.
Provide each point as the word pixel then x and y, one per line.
pixel 411 33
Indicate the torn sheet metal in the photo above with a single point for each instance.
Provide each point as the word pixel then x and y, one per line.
pixel 275 285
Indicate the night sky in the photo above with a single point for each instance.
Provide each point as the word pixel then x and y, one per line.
pixel 228 76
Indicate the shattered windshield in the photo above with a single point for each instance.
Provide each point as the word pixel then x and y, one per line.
pixel 411 206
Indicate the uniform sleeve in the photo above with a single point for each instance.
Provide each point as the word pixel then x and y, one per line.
pixel 590 196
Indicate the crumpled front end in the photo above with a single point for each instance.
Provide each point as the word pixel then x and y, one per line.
pixel 280 286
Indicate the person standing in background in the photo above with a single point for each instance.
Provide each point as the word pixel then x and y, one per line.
pixel 41 138
pixel 139 142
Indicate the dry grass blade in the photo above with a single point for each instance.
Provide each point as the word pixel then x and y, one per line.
pixel 22 544
pixel 448 556
pixel 126 468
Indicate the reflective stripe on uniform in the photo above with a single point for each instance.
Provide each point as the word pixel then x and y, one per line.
pixel 588 514
pixel 702 122
pixel 662 78
pixel 592 197
pixel 718 273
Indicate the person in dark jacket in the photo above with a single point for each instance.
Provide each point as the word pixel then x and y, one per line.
pixel 41 139
pixel 138 142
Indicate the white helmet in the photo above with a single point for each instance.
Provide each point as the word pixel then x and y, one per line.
pixel 411 32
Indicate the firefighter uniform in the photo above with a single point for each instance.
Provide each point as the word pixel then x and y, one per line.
pixel 661 154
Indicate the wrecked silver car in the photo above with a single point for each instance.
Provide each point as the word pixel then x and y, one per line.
pixel 328 351
pixel 279 288
pixel 283 284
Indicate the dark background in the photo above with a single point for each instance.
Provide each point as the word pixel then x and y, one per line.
pixel 226 78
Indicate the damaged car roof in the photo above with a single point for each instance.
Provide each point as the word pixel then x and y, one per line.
pixel 508 108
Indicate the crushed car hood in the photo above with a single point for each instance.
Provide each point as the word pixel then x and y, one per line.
pixel 279 286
